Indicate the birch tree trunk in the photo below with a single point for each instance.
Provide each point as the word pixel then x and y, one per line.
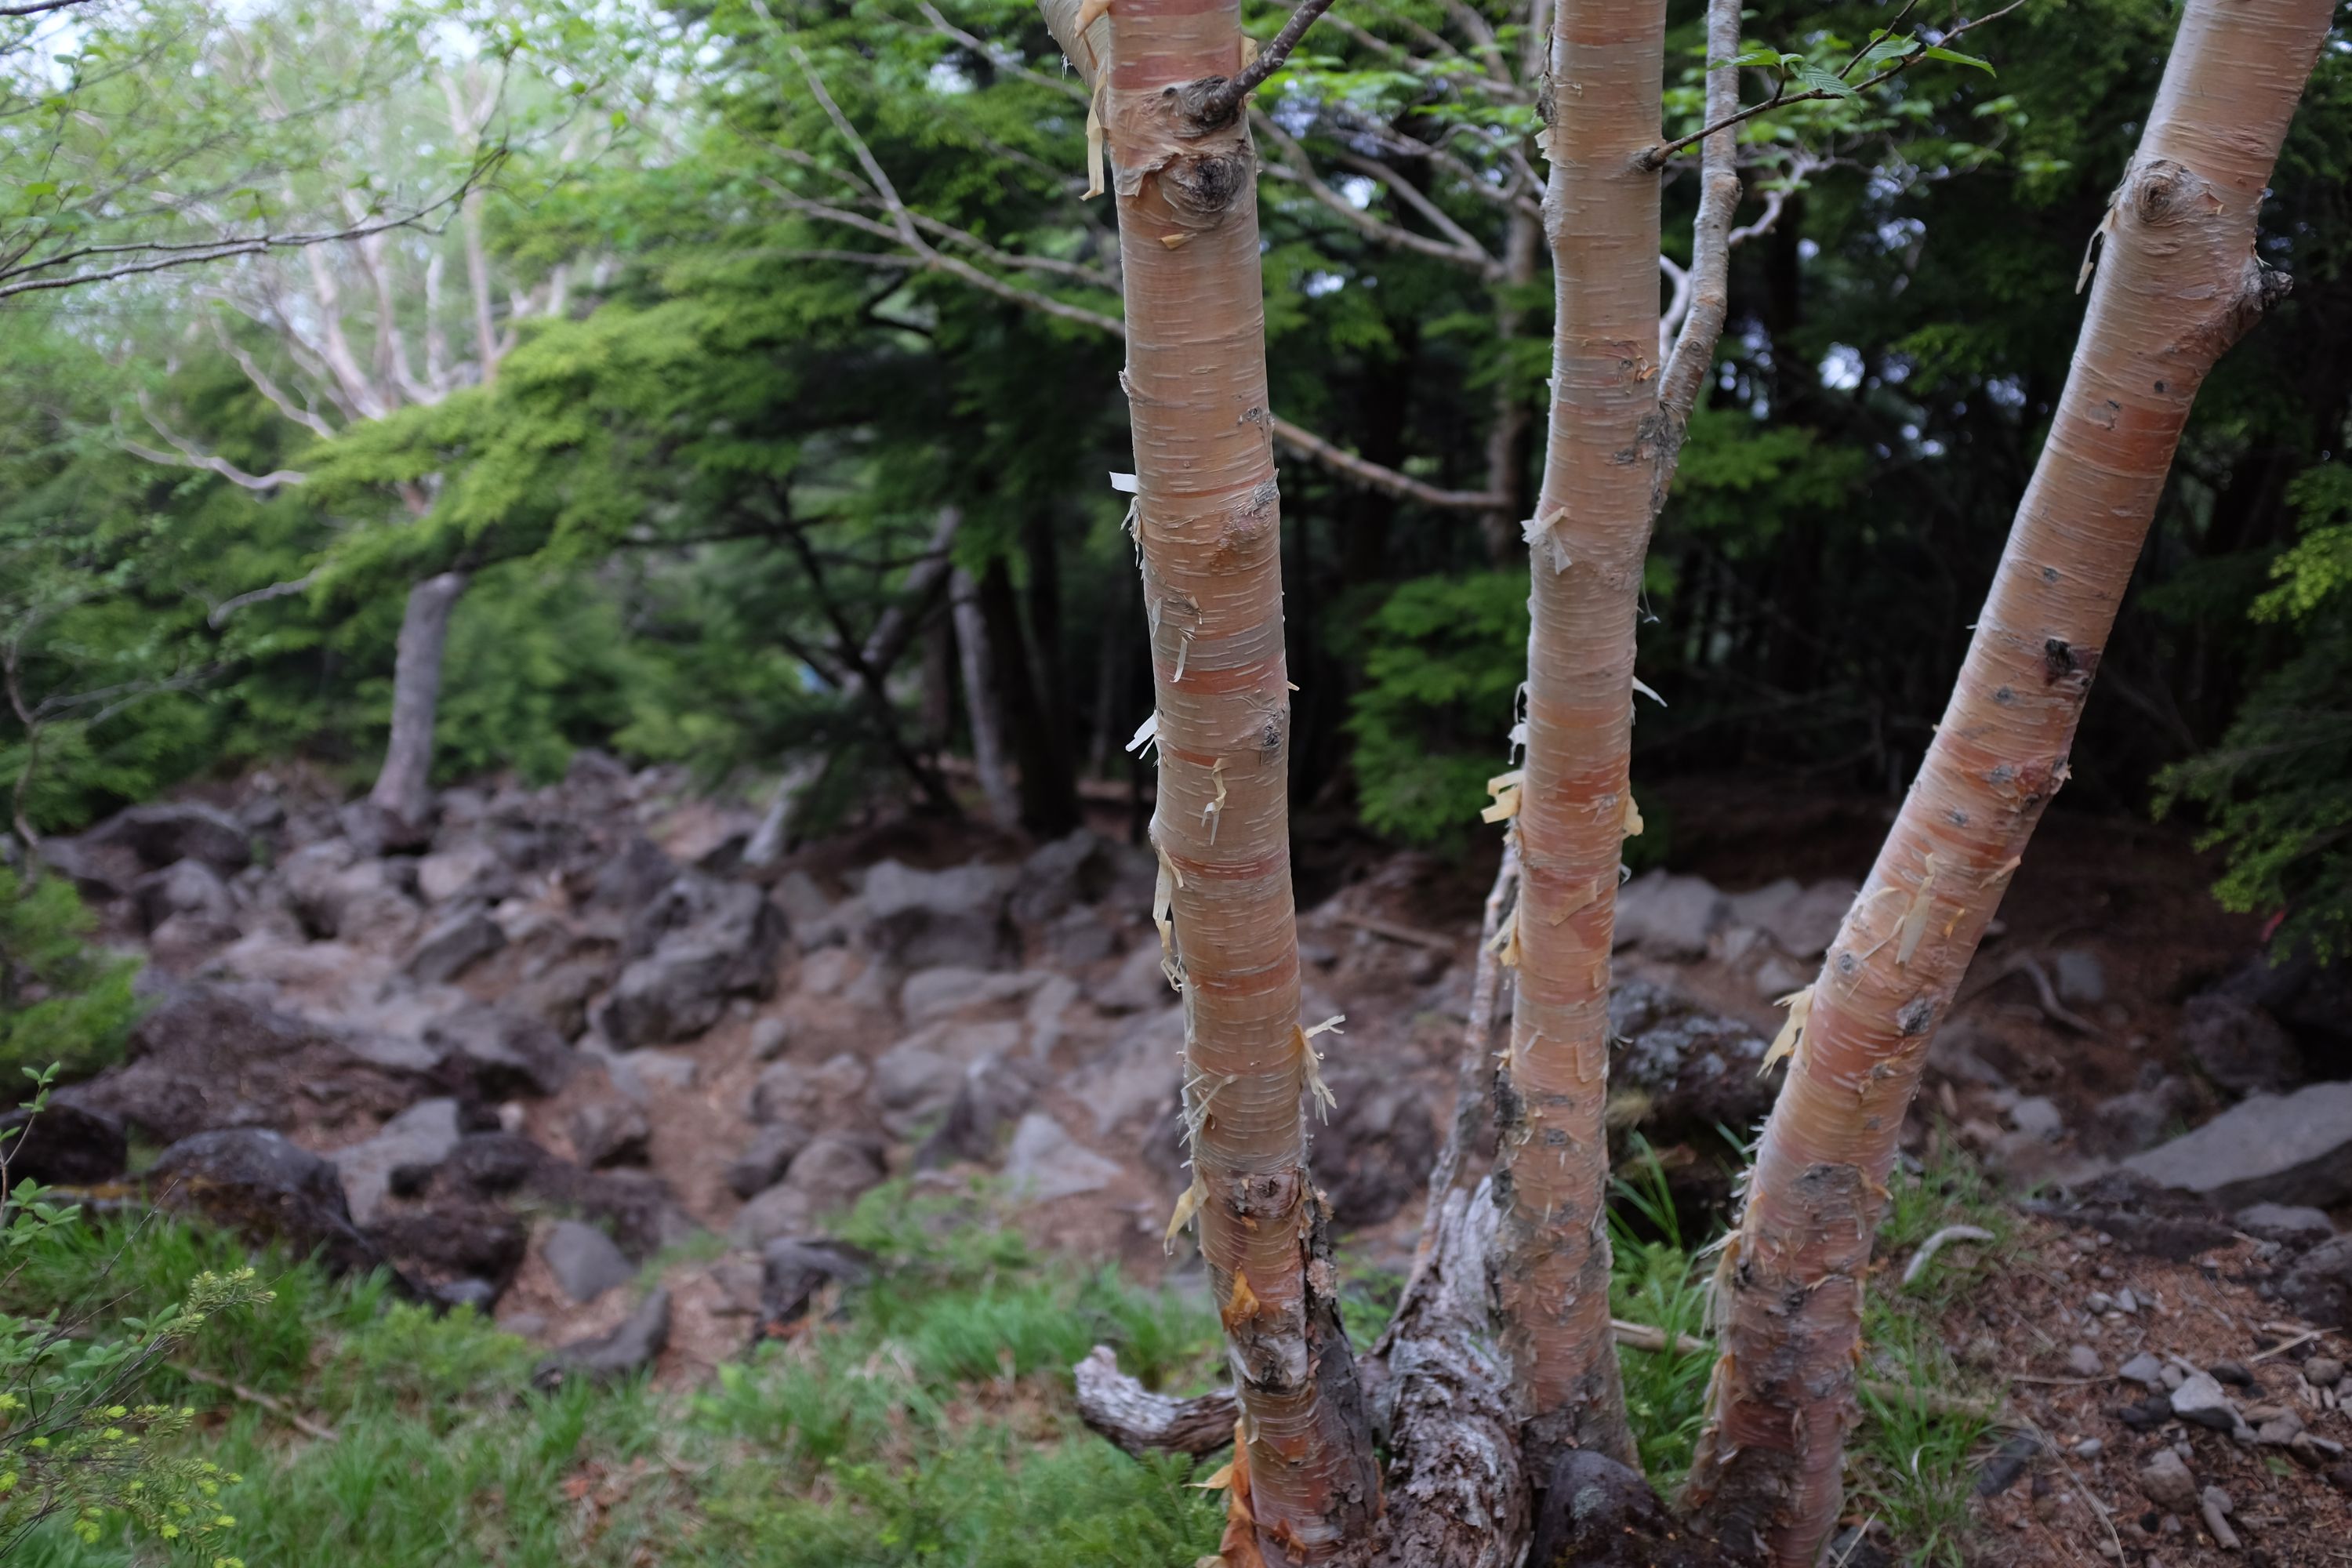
pixel 1208 525
pixel 980 701
pixel 2177 284
pixel 1587 541
pixel 403 795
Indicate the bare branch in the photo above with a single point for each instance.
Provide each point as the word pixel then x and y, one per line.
pixel 1296 166
pixel 1221 105
pixel 1414 197
pixel 1656 156
pixel 1372 476
pixel 1710 270
pixel 1001 60
pixel 193 457
pixel 220 612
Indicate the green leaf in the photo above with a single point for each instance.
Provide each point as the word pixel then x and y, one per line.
pixel 1820 81
pixel 1938 52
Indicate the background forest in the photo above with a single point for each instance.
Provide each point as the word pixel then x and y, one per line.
pixel 731 398
pixel 459 452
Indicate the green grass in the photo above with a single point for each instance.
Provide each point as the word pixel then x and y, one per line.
pixel 927 1421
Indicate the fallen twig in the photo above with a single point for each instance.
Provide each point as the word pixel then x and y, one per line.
pixel 270 1403
pixel 1936 1243
pixel 1396 932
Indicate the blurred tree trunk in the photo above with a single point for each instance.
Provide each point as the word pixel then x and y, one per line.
pixel 980 701
pixel 403 795
pixel 1047 785
pixel 2176 283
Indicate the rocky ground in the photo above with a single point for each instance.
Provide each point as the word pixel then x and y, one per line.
pixel 573 1034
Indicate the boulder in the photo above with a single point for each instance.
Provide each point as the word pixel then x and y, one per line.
pixel 1138 985
pixel 359 902
pixel 698 944
pixel 611 1133
pixel 1679 1071
pixel 2286 1149
pixel 922 919
pixel 2238 1044
pixel 503 1053
pixel 2318 1288
pixel 469 870
pixel 1080 937
pixel 929 995
pixel 1045 1164
pixel 1804 927
pixel 634 1206
pixel 416 1139
pixel 609 1358
pixel 2293 1224
pixel 1078 869
pixel 633 878
pixel 804 904
pixel 184 888
pixel 1373 1155
pixel 99 870
pixel 585 1260
pixel 791 1270
pixel 763 1161
pixel 165 831
pixel 467 1248
pixel 769 1038
pixel 917 1080
pixel 64 1144
pixel 833 1173
pixel 2129 1122
pixel 454 943
pixel 991 1094
pixel 818 1096
pixel 1670 916
pixel 268 1191
pixel 206 1058
pixel 1136 1078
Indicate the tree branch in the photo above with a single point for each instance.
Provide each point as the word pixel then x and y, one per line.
pixel 1710 269
pixel 1220 105
pixel 193 457
pixel 1298 167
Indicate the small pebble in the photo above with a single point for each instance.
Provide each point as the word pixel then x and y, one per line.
pixel 2233 1373
pixel 2084 1362
pixel 2126 1301
pixel 2144 1370
pixel 2321 1371
pixel 2089 1449
pixel 2098 1301
pixel 2108 1271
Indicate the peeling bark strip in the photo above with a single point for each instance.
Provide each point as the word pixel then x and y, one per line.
pixel 2177 284
pixel 1587 539
pixel 1207 525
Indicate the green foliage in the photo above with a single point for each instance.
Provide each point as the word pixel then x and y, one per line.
pixel 81 1443
pixel 1444 657
pixel 1658 1279
pixel 61 999
pixel 2274 792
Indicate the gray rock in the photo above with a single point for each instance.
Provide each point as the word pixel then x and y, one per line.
pixel 1136 1077
pixel 804 902
pixel 268 1192
pixel 1137 985
pixel 1670 916
pixel 2088 1448
pixel 2286 1149
pixel 833 1173
pixel 609 1133
pixel 633 877
pixel 1760 909
pixel 2082 978
pixel 2199 1399
pixel 769 1038
pixel 2238 1044
pixel 2038 1116
pixel 791 1270
pixel 472 871
pixel 65 1145
pixel 165 831
pixel 454 943
pixel 186 888
pixel 205 1059
pixel 818 1096
pixel 416 1139
pixel 585 1260
pixel 2165 1482
pixel 921 919
pixel 1046 1163
pixel 1077 869
pixel 1082 936
pixel 2323 1372
pixel 929 995
pixel 917 1080
pixel 2084 1362
pixel 766 1157
pixel 608 1358
pixel 504 1052
pixel 993 1092
pixel 698 944
pixel 1679 1071
pixel 2318 1288
pixel 2129 1122
pixel 1807 924
pixel 2294 1224
pixel 1373 1155
pixel 638 1073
